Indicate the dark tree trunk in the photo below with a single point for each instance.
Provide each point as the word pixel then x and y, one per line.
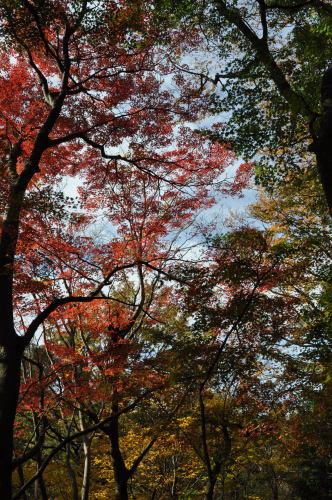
pixel 274 483
pixel 71 474
pixel 121 489
pixel 322 145
pixel 11 345
pixel 40 489
pixel 154 493
pixel 22 480
pixel 10 365
pixel 121 473
pixel 210 489
pixel 324 164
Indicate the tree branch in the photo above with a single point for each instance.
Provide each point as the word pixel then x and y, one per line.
pixel 42 316
pixel 290 7
pixel 262 11
pixel 296 101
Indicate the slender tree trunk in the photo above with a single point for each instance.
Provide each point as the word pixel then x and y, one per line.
pixel 175 479
pixel 87 469
pixel 40 488
pixel 223 487
pixel 275 491
pixel 20 473
pixel 153 496
pixel 10 365
pixel 87 463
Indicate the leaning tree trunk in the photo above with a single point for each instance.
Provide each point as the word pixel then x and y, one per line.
pixel 10 367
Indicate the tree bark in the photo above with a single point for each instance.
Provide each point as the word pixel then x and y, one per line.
pixel 10 366
pixel 175 480
pixel 274 483
pixel 210 489
pixel 20 473
pixel 121 473
pixel 323 145
pixel 40 488
pixel 87 461
pixel 121 489
pixel 71 474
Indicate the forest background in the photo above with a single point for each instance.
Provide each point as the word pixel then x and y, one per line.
pixel 147 352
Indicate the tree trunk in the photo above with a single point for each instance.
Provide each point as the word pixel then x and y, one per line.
pixel 175 479
pixel 121 489
pixel 210 489
pixel 71 474
pixel 40 488
pixel 324 164
pixel 121 473
pixel 87 468
pixel 10 366
pixel 322 145
pixel 20 473
pixel 274 483
pixel 153 496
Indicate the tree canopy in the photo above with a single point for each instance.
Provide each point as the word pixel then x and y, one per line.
pixel 148 350
pixel 270 68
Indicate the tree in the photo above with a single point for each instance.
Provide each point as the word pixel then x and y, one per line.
pixel 298 219
pixel 103 374
pixel 260 298
pixel 79 81
pixel 273 78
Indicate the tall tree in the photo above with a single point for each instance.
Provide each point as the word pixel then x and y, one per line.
pixel 270 70
pixel 80 84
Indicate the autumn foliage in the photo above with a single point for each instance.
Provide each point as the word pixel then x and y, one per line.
pixel 145 352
